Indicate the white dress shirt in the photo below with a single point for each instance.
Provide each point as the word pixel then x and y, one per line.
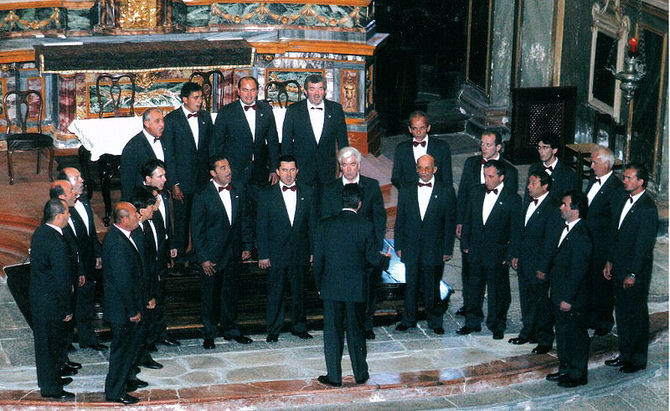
pixel 481 168
pixel 532 207
pixel 71 224
pixel 628 205
pixel 193 124
pixel 565 232
pixel 154 232
pixel 250 115
pixel 552 165
pixel 156 147
pixel 127 234
pixel 225 199
pixel 290 200
pixel 419 150
pixel 55 227
pixel 354 181
pixel 597 186
pixel 316 118
pixel 81 210
pixel 490 201
pixel 423 194
pixel 163 211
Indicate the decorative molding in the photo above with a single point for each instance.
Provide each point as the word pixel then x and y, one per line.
pixel 11 21
pixel 358 3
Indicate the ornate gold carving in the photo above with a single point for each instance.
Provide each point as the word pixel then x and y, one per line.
pixel 137 14
pixel 12 19
pixel 349 91
pixel 146 79
pixel 262 11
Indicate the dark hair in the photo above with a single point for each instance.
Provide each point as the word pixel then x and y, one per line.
pixel 56 190
pixel 549 138
pixel 499 166
pixel 52 208
pixel 287 158
pixel 352 194
pixel 189 88
pixel 545 179
pixel 150 165
pixel 142 197
pixel 640 172
pixel 314 79
pixel 495 133
pixel 215 159
pixel 418 113
pixel 578 201
pixel 239 82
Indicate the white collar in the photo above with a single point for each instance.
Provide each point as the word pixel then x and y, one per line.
pixel 55 227
pixel 572 224
pixel 354 181
pixel 124 231
pixel 187 111
pixel 149 136
pixel 349 209
pixel 552 165
pixel 431 181
pixel 541 198
pixel 321 105
pixel 637 196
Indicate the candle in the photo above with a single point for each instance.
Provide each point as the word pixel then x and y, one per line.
pixel 632 45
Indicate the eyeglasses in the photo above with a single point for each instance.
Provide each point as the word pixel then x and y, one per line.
pixel 542 148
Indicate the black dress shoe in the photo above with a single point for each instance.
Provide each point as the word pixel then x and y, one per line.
pixel 169 341
pixel 630 368
pixel 65 381
pixel 66 371
pixel 302 334
pixel 63 395
pixel 601 331
pixel 241 339
pixel 571 383
pixel 138 382
pixel 151 364
pixel 401 327
pixel 465 330
pixel 616 362
pixel 208 344
pixel 125 400
pixel 557 376
pixel 272 338
pixel 518 340
pixel 461 311
pixel 73 364
pixel 323 379
pixel 541 349
pixel 498 335
pixel 363 380
pixel 438 330
pixel 152 348
pixel 370 335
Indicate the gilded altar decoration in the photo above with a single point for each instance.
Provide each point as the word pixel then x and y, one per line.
pixel 29 20
pixel 138 14
pixel 288 14
pixel 146 79
pixel 369 87
pixel 349 91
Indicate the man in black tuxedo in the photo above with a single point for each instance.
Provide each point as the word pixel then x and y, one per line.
pixel 472 177
pixel 565 265
pixel 187 138
pixel 541 211
pixel 145 145
pixel 490 238
pixel 155 177
pixel 603 191
pixel 372 209
pixel 408 152
pixel 246 134
pixel 222 238
pixel 424 240
pixel 50 296
pixel 563 178
pixel 122 304
pixel 285 226
pixel 629 267
pixel 314 129
pixel 90 259
pixel 343 245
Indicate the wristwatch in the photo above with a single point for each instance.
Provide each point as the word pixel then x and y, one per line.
pixel 631 275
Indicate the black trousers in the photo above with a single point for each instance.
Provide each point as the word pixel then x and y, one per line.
pixel 121 357
pixel 572 343
pixel 373 277
pixel 218 301
pixel 427 279
pixel 336 316
pixel 536 310
pixel 182 217
pixel 602 297
pixel 632 322
pixel 84 300
pixel 495 280
pixel 48 337
pixel 157 329
pixel 276 286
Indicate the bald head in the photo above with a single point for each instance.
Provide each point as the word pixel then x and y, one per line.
pixel 425 167
pixel 125 216
pixel 73 176
pixel 62 189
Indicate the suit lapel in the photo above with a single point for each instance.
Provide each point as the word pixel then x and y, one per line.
pixel 299 206
pixel 539 210
pixel 497 206
pixel 308 121
pixel 79 224
pixel 432 201
pixel 240 112
pixel 234 204
pixel 630 213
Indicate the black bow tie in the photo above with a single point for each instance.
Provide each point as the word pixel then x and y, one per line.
pixel 156 139
pixel 567 227
pixel 549 168
pixel 286 188
pixel 419 143
pixel 534 201
pixel 316 108
pixel 228 187
pixel 630 198
pixel 191 115
pixel 598 180
pixel 425 184
pixel 254 106
pixel 494 191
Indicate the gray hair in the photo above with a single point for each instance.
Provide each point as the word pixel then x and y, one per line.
pixel 604 153
pixel 347 152
pixel 147 113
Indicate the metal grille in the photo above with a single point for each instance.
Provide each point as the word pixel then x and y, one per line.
pixel 542 118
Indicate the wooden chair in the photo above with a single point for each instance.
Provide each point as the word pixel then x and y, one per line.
pixel 282 92
pixel 115 92
pixel 207 85
pixel 25 141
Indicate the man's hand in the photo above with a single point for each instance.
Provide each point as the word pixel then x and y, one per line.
pixel 446 258
pixel 136 318
pixel 151 304
pixel 465 251
pixel 246 255
pixel 515 263
pixel 82 280
pixel 176 193
pixel 459 230
pixel 398 253
pixel 264 263
pixel 607 271
pixel 273 178
pixel 311 258
pixel 628 282
pixel 565 307
pixel 98 263
pixel 173 253
pixel 67 318
pixel 208 267
pixel 540 275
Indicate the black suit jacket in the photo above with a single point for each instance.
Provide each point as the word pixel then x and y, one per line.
pixel 632 249
pixel 87 240
pixel 122 275
pixel 283 244
pixel 232 137
pixel 165 233
pixel 534 235
pixel 186 164
pixel 146 245
pixel 496 241
pixel 600 216
pixel 344 244
pixel 372 207
pixel 136 152
pixel 563 179
pixel 50 290
pixel 471 178
pixel 567 266
pixel 214 237
pixel 315 161
pixel 404 165
pixel 428 239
